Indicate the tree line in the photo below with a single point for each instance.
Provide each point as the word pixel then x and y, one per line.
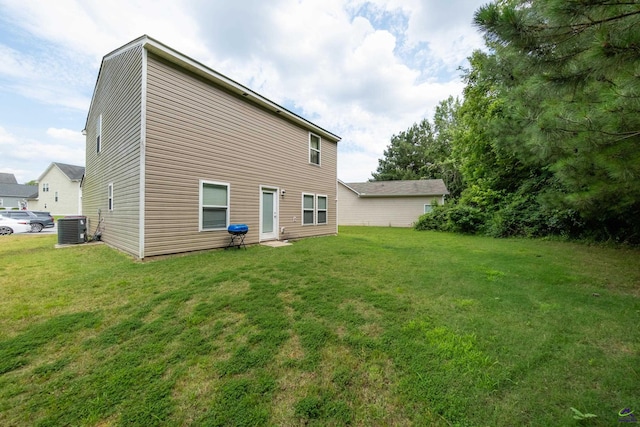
pixel 546 140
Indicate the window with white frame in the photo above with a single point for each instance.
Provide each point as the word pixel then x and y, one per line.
pixel 308 209
pixel 110 196
pixel 214 205
pixel 56 196
pixel 314 149
pixel 428 208
pixel 45 187
pixel 321 209
pixel 314 209
pixel 99 134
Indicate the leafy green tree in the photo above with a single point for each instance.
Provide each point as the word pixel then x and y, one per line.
pixel 424 151
pixel 404 158
pixel 440 160
pixel 504 181
pixel 570 78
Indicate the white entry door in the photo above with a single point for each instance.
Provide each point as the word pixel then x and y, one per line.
pixel 268 214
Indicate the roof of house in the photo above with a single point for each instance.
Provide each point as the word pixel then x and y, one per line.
pixel 422 187
pixel 19 190
pixel 74 173
pixel 175 57
pixel 7 178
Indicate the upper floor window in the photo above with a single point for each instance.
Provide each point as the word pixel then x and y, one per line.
pixel 110 196
pixel 45 187
pixel 214 205
pixel 56 196
pixel 99 134
pixel 314 149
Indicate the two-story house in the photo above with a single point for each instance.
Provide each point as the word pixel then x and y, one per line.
pixel 176 152
pixel 59 190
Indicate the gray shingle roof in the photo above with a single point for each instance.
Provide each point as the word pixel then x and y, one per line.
pixel 19 190
pixel 74 173
pixel 7 178
pixel 422 187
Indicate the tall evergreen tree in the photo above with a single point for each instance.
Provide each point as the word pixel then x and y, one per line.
pixel 575 96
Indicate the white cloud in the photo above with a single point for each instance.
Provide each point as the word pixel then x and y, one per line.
pixel 6 138
pixel 67 135
pixel 44 77
pixel 94 28
pixel 361 69
pixel 356 166
pixel 34 155
pixel 13 65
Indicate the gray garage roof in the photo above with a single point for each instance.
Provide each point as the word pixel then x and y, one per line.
pixel 19 190
pixel 7 178
pixel 422 187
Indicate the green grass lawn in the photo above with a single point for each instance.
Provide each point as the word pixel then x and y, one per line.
pixel 376 326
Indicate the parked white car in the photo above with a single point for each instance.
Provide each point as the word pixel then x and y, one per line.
pixel 10 225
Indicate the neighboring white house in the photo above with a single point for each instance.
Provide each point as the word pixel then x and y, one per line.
pixel 59 190
pixel 388 203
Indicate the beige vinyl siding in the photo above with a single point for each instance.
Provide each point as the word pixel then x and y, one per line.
pixel 197 131
pixel 381 211
pixel 117 97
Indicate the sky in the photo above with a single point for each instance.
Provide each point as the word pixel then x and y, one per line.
pixel 364 70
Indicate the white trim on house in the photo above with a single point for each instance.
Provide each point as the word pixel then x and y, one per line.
pixel 346 186
pixel 201 205
pixel 276 212
pixel 143 146
pixel 315 150
pixel 326 209
pixel 313 209
pixel 337 206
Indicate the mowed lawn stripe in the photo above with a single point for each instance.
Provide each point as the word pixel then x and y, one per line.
pixel 376 326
